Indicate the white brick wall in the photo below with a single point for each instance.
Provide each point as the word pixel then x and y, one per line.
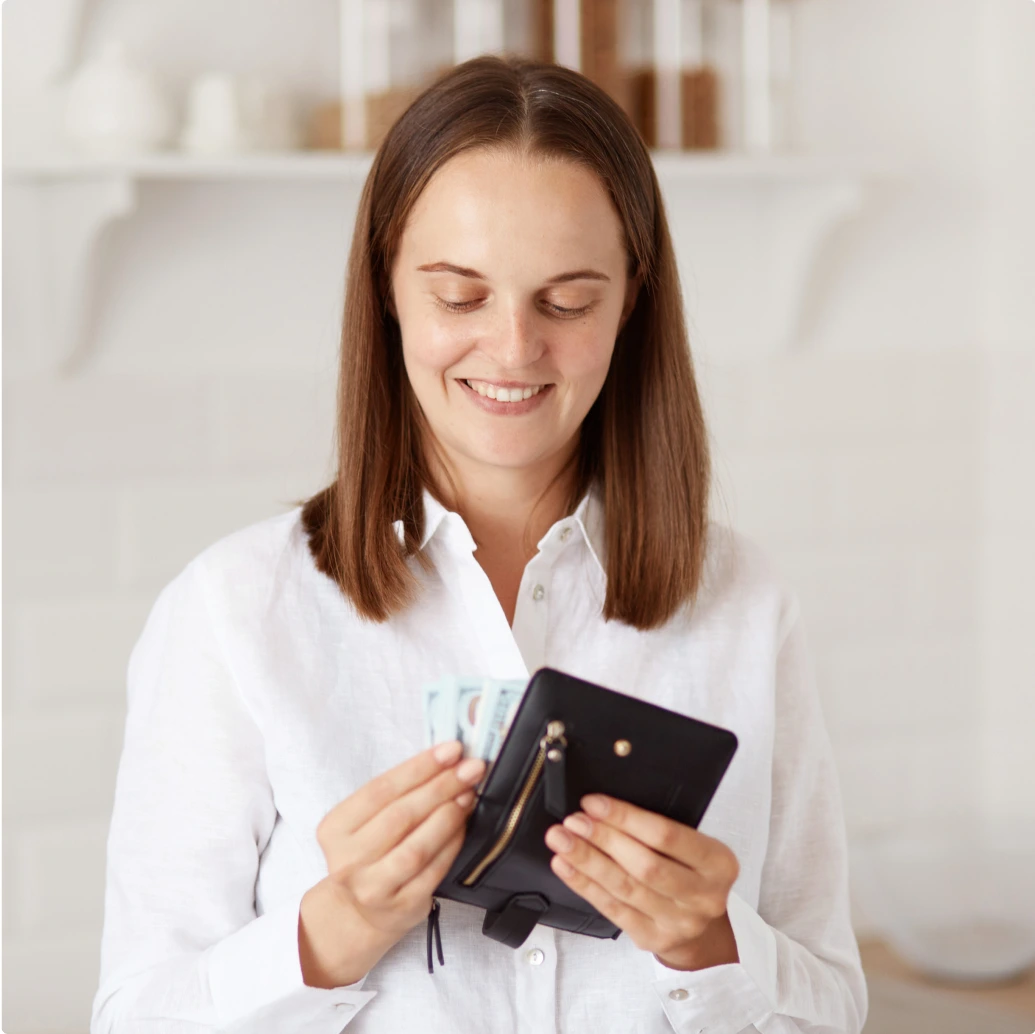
pixel 891 482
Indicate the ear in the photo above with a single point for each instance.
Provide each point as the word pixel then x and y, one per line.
pixel 632 291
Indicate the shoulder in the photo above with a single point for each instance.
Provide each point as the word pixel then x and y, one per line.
pixel 742 582
pixel 244 569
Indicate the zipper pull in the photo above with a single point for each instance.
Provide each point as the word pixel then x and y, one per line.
pixel 555 792
pixel 434 925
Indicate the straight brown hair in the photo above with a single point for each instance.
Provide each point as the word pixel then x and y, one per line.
pixel 644 438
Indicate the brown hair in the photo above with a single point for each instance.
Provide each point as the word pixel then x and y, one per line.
pixel 644 438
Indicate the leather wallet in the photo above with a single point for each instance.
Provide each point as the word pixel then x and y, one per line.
pixel 568 738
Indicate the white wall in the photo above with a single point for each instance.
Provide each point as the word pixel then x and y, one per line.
pixel 885 461
pixel 1007 544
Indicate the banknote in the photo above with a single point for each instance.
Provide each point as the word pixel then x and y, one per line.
pixel 498 707
pixel 477 711
pixel 451 709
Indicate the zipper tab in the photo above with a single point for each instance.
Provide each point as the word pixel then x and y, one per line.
pixel 433 925
pixel 555 793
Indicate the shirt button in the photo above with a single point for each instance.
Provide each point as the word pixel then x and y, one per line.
pixel 344 1006
pixel 565 532
pixel 538 593
pixel 679 994
pixel 535 956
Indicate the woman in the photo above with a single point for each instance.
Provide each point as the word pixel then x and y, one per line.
pixel 522 481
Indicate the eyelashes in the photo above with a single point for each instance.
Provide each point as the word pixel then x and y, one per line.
pixel 555 309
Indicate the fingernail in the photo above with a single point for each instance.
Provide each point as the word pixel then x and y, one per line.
pixel 448 751
pixel 579 824
pixel 470 770
pixel 465 798
pixel 598 807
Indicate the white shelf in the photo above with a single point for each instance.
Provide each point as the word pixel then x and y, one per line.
pixel 180 165
pixel 335 165
pixel 785 206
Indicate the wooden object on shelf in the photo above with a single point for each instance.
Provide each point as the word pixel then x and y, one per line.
pixel 598 43
pixel 382 110
pixel 541 14
pixel 641 105
pixel 700 103
pixel 598 38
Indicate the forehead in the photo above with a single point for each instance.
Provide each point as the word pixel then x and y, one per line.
pixel 500 202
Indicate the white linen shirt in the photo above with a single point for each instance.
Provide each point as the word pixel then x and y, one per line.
pixel 258 699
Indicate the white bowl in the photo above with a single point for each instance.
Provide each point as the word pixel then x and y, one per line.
pixel 955 901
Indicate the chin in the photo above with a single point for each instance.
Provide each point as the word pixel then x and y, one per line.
pixel 516 458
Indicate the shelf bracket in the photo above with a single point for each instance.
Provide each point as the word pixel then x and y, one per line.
pixel 803 225
pixel 75 216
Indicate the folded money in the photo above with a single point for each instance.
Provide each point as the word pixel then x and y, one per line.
pixel 475 710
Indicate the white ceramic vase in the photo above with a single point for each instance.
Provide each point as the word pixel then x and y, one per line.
pixel 113 108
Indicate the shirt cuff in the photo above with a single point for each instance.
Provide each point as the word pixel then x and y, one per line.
pixel 255 977
pixel 724 999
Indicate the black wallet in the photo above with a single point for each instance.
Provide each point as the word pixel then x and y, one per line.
pixel 568 738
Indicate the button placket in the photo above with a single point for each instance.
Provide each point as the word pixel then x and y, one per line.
pixel 530 612
pixel 535 964
pixel 470 586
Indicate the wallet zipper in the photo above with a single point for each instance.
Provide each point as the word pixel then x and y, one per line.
pixel 554 735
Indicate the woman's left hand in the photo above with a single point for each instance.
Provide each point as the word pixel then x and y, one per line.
pixel 663 883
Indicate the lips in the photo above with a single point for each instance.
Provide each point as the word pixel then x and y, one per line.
pixel 505 408
pixel 505 392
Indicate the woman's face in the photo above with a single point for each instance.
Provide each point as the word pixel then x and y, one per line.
pixel 511 272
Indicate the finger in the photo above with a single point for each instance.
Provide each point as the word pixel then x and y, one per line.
pixel 423 884
pixel 395 822
pixel 710 857
pixel 351 813
pixel 673 881
pixel 639 925
pixel 419 850
pixel 591 865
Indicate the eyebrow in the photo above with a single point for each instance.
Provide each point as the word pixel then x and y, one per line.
pixel 562 278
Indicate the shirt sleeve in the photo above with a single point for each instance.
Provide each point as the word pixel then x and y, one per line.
pixel 799 971
pixel 182 948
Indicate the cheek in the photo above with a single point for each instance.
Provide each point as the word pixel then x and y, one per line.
pixel 431 348
pixel 585 358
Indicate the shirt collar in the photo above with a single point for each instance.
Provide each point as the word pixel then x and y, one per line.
pixel 588 518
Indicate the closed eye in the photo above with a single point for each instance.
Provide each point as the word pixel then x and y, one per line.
pixel 556 309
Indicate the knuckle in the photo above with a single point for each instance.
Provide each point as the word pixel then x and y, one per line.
pixel 626 887
pixel 651 870
pixel 734 868
pixel 727 868
pixel 718 905
pixel 366 894
pixel 414 856
pixel 323 829
pixel 668 838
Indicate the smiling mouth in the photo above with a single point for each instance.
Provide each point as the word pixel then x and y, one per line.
pixel 489 390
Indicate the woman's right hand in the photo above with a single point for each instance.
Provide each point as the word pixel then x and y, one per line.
pixel 387 846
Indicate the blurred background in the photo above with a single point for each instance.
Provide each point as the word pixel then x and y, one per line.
pixel 849 186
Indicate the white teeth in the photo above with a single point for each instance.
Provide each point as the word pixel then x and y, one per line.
pixel 503 394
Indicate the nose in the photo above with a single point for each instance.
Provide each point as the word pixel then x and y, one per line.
pixel 516 341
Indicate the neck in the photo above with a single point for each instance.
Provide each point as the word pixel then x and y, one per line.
pixel 497 503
